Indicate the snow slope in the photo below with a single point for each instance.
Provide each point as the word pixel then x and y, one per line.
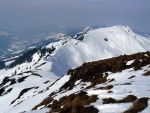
pixel 98 44
pixel 28 83
pixel 123 83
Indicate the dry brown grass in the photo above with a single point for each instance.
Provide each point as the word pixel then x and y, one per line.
pixel 138 105
pixel 72 102
pixel 96 72
pixel 45 102
pixel 105 88
pixel 129 98
pixel 147 73
pixel 79 109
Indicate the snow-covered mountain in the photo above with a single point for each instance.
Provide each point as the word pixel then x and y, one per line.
pixel 17 43
pixel 29 78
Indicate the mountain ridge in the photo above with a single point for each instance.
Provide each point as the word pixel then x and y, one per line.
pixel 94 76
pixel 48 63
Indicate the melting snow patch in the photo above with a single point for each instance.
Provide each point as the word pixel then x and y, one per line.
pixel 77 82
pixel 40 107
pixel 146 55
pixel 130 62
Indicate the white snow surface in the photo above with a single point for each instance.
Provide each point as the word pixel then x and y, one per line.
pixel 122 87
pixel 139 87
pixel 97 44
pixel 120 40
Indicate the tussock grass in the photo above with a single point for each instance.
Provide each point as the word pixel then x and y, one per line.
pixel 147 73
pixel 105 88
pixel 74 103
pixel 129 98
pixel 45 102
pixel 137 106
pixel 96 71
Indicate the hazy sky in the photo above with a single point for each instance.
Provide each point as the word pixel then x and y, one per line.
pixel 26 14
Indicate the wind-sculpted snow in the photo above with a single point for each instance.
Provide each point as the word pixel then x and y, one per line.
pixel 98 44
pixel 42 73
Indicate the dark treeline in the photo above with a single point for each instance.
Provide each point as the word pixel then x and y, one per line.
pixel 2 64
pixel 28 56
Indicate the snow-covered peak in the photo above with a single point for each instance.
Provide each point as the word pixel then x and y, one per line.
pixel 97 44
pixel 29 76
pixel 127 28
pixel 72 51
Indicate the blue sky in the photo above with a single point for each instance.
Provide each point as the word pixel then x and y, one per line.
pixel 22 15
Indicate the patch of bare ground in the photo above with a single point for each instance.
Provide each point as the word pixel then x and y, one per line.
pixel 21 79
pixel 105 88
pixel 147 73
pixel 2 90
pixel 124 84
pixel 74 103
pixel 129 98
pixel 138 105
pixel 110 91
pixel 46 82
pixel 22 93
pixel 96 71
pixel 131 77
pixel 111 80
pixel 40 65
pixel 45 102
pixel 79 109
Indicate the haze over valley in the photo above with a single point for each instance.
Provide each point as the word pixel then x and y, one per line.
pixel 74 56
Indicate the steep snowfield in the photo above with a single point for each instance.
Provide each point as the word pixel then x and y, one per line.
pixel 98 44
pixel 30 84
pixel 28 76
